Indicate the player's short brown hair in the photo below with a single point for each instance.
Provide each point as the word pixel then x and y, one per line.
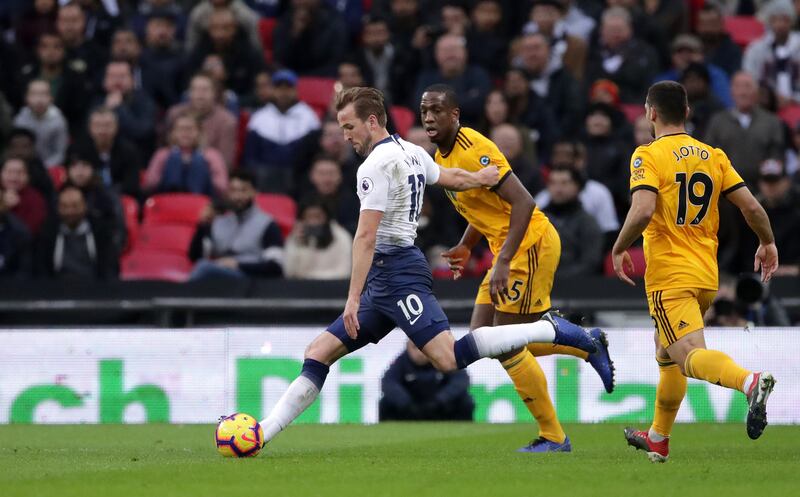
pixel 366 102
pixel 670 101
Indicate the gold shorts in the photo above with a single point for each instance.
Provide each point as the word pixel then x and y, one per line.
pixel 678 312
pixel 530 278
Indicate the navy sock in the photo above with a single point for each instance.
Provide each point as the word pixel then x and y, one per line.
pixel 466 351
pixel 315 371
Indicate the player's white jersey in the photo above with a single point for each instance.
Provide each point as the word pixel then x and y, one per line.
pixel 392 179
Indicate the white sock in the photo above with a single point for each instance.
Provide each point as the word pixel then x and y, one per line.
pixel 655 436
pixel 748 382
pixel 492 341
pixel 296 399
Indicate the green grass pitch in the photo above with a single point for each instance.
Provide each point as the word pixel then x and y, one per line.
pixel 409 460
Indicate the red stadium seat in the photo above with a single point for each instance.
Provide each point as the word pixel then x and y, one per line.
pixel 144 265
pixel 266 26
pixel 316 92
pixel 637 257
pixel 790 115
pixel 172 238
pixel 403 119
pixel 743 29
pixel 281 207
pixel 58 175
pixel 130 212
pixel 174 208
pixel 632 111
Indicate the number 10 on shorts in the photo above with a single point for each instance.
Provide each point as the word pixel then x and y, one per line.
pixel 412 308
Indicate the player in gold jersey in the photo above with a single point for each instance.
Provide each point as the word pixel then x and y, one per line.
pixel 526 250
pixel 676 182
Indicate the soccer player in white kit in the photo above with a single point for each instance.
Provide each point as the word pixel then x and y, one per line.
pixel 391 185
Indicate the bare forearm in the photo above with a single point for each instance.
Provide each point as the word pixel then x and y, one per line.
pixel 458 180
pixel 363 253
pixel 635 224
pixel 758 221
pixel 471 237
pixel 517 227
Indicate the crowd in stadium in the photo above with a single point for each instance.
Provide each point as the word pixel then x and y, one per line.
pixel 112 111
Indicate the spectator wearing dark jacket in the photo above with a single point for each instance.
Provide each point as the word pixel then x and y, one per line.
pixel 310 39
pixel 412 389
pixel 555 88
pixel 39 18
pixel 74 246
pixel 581 237
pixel 69 83
pixel 383 66
pixel 102 203
pixel 718 46
pixel 20 197
pixel 157 81
pixel 163 58
pixel 116 160
pixel 327 186
pixel 243 242
pixel 15 244
pixel 226 40
pixel 135 110
pixel 471 83
pixel 747 133
pixel 618 56
pixel 200 19
pixel 276 134
pixel 606 153
pixel 81 52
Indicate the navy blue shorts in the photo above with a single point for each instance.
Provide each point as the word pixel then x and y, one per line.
pixel 398 294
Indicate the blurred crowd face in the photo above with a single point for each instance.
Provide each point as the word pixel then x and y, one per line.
pixel 71 207
pixel 781 26
pixel 709 25
pixel 642 131
pixel 215 67
pixel 14 175
pixel 103 128
pixel 263 88
pixel 44 7
pixel 545 17
pixel 80 173
pixel 696 86
pixel 350 75
pixel 486 16
pixel 118 78
pixel 202 95
pixel 614 32
pixel 682 57
pixel 570 155
pixel 508 140
pixel 496 108
pixel 21 147
pixel 451 55
pixel 71 24
pixel 326 176
pixel 454 20
pixel 240 195
pixel 125 46
pixel 50 50
pixel 314 216
pixel 222 28
pixel 516 84
pixel 376 36
pixel 186 133
pixel 598 124
pixel 332 141
pixel 159 33
pixel 404 9
pixel 285 95
pixel 535 53
pixel 561 187
pixel 38 97
pixel 744 91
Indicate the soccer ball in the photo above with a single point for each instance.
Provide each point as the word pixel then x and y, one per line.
pixel 238 435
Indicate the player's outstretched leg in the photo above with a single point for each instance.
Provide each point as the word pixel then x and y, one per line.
pixel 758 393
pixel 600 360
pixel 320 354
pixel 656 451
pixel 492 341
